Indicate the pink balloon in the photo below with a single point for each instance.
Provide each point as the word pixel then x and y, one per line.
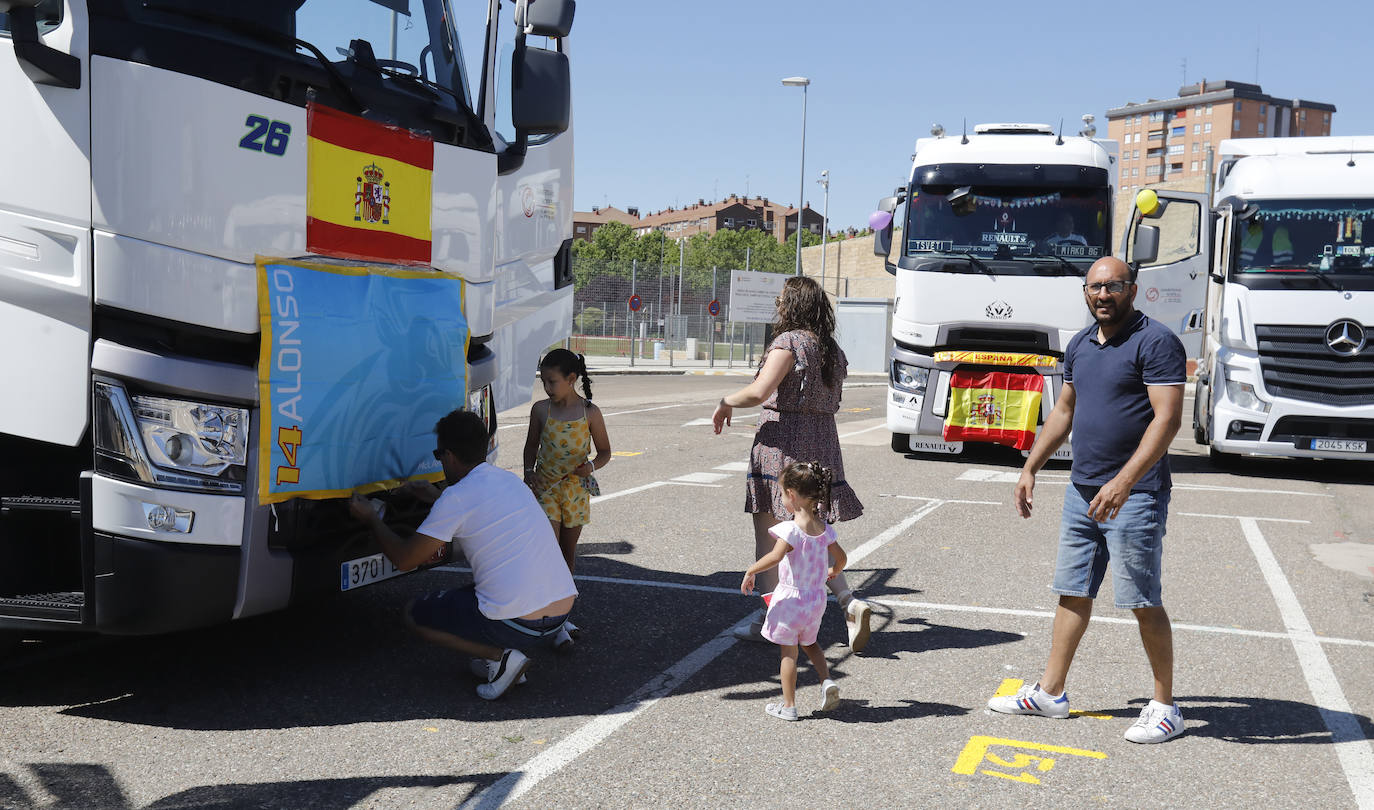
pixel 878 220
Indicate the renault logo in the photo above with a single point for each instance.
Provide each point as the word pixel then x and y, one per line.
pixel 1345 337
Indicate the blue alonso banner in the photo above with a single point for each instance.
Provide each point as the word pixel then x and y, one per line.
pixel 357 365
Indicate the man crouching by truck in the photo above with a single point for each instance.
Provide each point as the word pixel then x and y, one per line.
pixel 516 564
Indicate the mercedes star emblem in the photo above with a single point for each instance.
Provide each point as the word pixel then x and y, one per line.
pixel 1345 337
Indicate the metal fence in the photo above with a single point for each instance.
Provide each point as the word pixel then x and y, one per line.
pixel 674 319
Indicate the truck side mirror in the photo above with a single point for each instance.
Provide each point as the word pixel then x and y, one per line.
pixel 541 84
pixel 550 18
pixel 1146 247
pixel 541 91
pixel 881 223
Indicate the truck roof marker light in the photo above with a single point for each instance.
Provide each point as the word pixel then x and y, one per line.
pixel 1089 129
pixel 937 130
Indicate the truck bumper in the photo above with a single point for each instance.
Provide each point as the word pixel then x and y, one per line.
pixel 1294 429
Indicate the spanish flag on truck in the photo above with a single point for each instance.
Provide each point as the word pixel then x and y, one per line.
pixel 994 406
pixel 368 191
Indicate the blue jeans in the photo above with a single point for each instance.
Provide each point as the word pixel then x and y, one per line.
pixel 1133 541
pixel 455 612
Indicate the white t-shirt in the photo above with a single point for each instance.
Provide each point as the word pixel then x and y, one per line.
pixel 516 563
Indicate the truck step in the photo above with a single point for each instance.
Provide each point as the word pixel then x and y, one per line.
pixel 39 503
pixel 60 605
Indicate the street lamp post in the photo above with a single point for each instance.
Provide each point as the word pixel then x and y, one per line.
pixel 802 82
pixel 825 219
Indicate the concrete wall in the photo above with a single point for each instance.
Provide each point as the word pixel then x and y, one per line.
pixel 851 269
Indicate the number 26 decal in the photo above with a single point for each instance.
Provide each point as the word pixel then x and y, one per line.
pixel 266 136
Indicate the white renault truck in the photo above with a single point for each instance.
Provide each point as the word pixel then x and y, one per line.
pixel 1287 367
pixel 153 149
pixel 999 230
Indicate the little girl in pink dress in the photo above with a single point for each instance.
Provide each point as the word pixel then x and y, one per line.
pixel 804 547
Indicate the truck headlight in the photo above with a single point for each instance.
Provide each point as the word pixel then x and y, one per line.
pixel 192 437
pixel 910 378
pixel 192 445
pixel 1243 395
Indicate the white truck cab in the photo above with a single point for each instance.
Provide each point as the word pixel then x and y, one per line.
pixel 1287 366
pixel 154 150
pixel 1000 227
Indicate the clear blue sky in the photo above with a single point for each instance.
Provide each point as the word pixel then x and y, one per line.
pixel 678 101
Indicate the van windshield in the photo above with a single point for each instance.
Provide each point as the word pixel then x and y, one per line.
pixel 1308 236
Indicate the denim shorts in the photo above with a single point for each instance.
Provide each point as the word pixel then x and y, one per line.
pixel 455 612
pixel 1133 541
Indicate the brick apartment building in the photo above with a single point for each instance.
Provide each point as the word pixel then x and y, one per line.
pixel 585 223
pixel 733 213
pixel 1167 140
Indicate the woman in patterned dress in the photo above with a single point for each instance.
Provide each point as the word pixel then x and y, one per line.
pixel 798 384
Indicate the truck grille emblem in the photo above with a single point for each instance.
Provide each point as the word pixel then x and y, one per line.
pixel 1345 337
pixel 999 310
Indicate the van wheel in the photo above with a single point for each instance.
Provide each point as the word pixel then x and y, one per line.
pixel 901 442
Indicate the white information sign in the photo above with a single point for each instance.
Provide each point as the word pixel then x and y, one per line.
pixel 753 295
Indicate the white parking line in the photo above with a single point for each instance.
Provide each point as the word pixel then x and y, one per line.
pixel 882 426
pixel 1352 747
pixel 733 466
pixel 938 607
pixel 1007 477
pixel 700 478
pixel 618 413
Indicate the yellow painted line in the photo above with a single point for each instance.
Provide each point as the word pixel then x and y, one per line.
pixel 627 453
pixel 976 752
pixel 1010 686
pixel 855 410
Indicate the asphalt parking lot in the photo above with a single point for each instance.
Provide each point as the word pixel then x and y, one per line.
pixel 1268 581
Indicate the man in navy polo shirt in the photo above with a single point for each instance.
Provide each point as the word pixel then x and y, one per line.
pixel 1123 400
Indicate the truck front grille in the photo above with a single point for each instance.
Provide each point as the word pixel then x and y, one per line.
pixel 1296 363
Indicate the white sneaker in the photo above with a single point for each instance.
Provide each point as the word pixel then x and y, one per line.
pixel 857 615
pixel 1157 723
pixel 830 695
pixel 573 630
pixel 508 671
pixel 1032 700
pixel 562 640
pixel 483 669
pixel 781 712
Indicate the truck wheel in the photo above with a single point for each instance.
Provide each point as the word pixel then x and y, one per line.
pixel 1200 435
pixel 901 442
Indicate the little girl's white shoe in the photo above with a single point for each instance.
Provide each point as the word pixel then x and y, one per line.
pixel 781 712
pixel 857 615
pixel 830 695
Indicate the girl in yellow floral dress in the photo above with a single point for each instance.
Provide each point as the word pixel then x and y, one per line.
pixel 558 454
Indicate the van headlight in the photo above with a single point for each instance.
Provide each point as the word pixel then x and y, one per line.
pixel 910 378
pixel 173 442
pixel 1243 395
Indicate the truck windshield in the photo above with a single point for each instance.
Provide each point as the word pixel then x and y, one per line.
pixel 1010 223
pixel 401 60
pixel 1308 236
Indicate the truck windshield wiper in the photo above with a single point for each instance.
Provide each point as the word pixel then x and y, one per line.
pixel 1330 282
pixel 269 36
pixel 976 262
pixel 1068 265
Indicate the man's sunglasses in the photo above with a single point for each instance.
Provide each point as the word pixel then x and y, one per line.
pixel 1113 287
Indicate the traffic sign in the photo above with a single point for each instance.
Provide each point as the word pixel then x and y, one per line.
pixel 713 308
pixel 635 303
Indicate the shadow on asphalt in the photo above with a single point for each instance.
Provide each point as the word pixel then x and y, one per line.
pixel 88 786
pixel 1258 721
pixel 348 659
